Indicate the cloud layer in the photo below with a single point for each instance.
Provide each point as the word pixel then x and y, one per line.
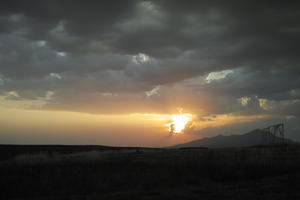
pixel 210 57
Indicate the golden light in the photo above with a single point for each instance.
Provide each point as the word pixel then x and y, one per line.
pixel 179 122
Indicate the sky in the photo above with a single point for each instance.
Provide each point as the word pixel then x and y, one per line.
pixel 115 72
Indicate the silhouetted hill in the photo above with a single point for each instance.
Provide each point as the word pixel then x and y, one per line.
pixel 9 151
pixel 255 137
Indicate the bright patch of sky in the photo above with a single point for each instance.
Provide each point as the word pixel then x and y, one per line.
pixel 264 104
pixel 62 54
pixel 49 95
pixel 244 100
pixel 41 43
pixel 152 92
pixel 55 76
pixel 218 75
pixel 140 58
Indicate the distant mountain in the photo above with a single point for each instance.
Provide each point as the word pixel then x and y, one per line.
pixel 255 137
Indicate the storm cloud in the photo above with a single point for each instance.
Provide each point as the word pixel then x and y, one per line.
pixel 152 56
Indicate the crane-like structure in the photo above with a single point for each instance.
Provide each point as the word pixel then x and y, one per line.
pixel 274 134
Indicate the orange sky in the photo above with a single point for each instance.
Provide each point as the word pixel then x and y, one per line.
pixel 20 125
pixel 115 73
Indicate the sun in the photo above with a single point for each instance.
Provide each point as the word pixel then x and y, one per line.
pixel 179 122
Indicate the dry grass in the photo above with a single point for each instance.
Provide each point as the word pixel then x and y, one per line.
pixel 251 173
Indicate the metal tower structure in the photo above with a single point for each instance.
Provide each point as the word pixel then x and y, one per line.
pixel 274 134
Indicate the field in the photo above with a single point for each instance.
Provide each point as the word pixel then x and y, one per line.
pixel 97 172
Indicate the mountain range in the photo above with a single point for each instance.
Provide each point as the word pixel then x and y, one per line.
pixel 252 138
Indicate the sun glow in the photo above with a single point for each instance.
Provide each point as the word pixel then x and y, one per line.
pixel 179 122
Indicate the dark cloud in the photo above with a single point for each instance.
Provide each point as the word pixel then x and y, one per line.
pixel 109 54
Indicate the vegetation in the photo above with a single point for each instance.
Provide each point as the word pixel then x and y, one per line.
pixel 261 172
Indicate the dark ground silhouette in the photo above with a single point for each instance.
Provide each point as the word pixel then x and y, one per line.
pixel 49 172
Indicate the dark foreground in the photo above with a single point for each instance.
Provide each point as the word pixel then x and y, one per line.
pixel 58 172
